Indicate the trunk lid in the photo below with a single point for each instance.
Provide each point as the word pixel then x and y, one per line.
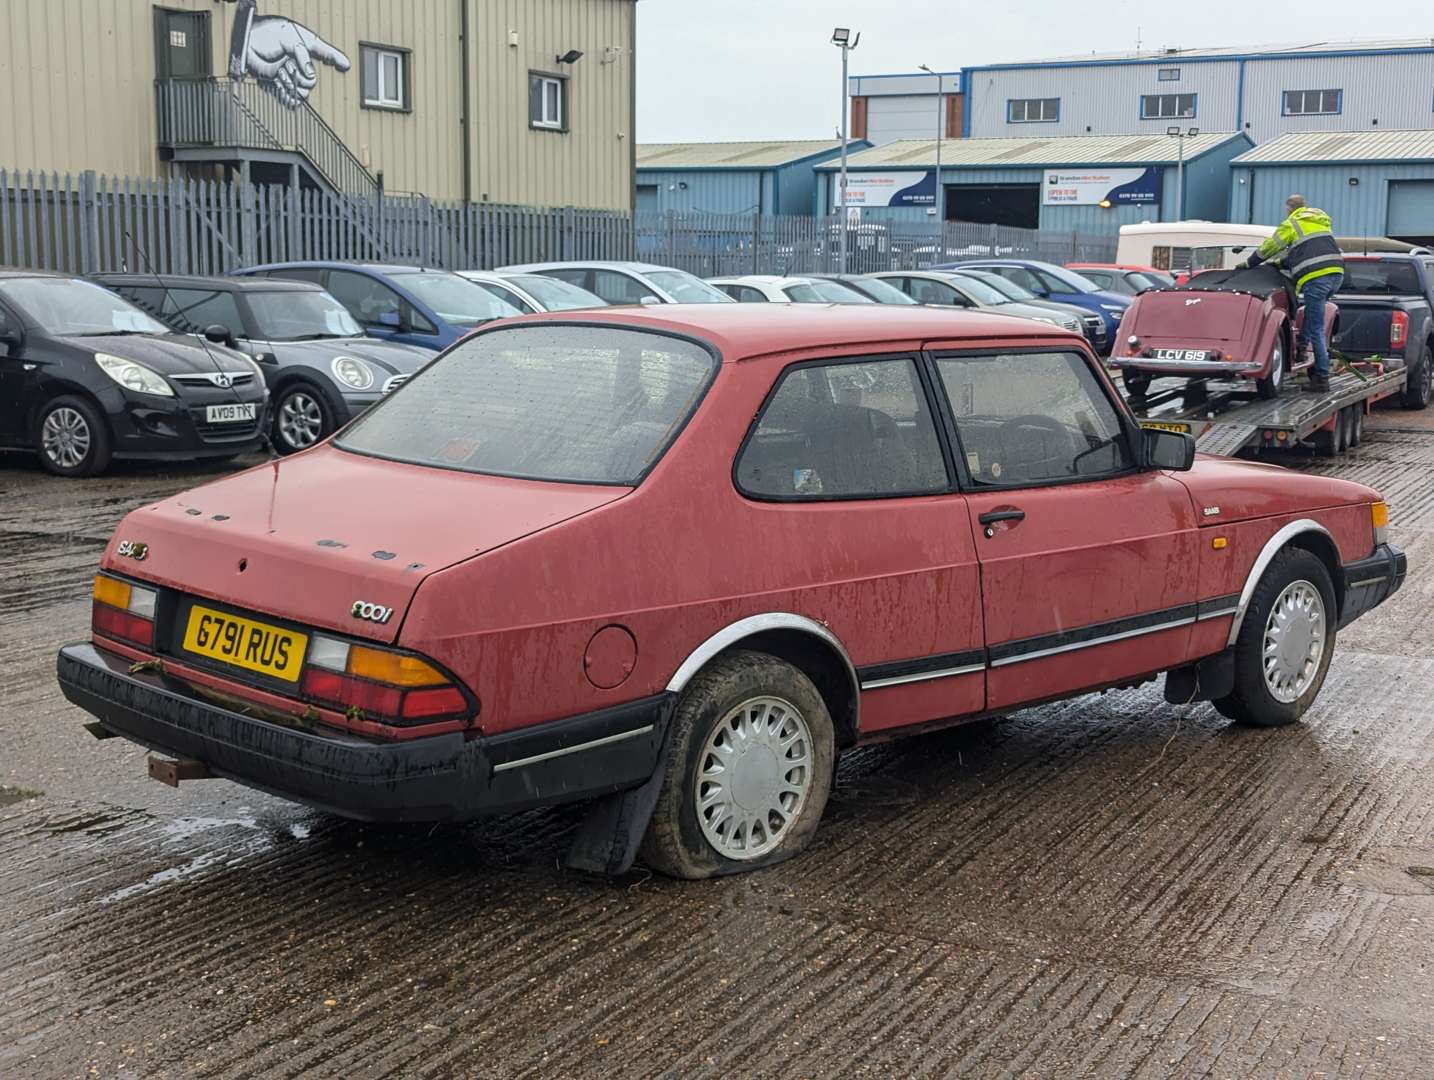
pixel 1364 323
pixel 308 537
pixel 1173 319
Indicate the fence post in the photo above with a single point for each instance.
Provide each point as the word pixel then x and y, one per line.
pixel 569 214
pixel 89 224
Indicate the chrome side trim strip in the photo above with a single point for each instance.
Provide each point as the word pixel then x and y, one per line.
pixel 1218 613
pixel 1262 561
pixel 923 676
pixel 1073 646
pixel 579 748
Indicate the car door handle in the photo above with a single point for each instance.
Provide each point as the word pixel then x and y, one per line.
pixel 990 517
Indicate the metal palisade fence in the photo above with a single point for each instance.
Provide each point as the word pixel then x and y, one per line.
pixel 85 223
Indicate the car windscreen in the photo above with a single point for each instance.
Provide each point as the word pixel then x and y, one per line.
pixel 1380 277
pixel 574 404
pixel 555 294
pixel 300 315
pixel 979 290
pixel 455 299
pixel 1005 286
pixel 883 292
pixel 69 307
pixel 819 291
pixel 686 289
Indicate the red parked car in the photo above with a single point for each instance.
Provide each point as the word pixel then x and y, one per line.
pixel 679 558
pixel 1233 324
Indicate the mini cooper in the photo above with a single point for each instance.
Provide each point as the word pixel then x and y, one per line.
pixel 674 560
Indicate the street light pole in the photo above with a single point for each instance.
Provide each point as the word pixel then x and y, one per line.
pixel 842 38
pixel 1180 137
pixel 939 203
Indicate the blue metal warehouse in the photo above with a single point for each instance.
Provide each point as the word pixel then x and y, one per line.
pixel 1372 183
pixel 732 177
pixel 1085 183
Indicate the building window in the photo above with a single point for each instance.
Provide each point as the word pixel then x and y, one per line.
pixel 547 101
pixel 1313 102
pixel 384 74
pixel 1033 110
pixel 1167 106
pixel 1169 75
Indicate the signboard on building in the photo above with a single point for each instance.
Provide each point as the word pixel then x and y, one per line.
pixel 1091 187
pixel 886 189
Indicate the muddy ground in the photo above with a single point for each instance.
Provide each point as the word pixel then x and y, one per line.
pixel 1108 887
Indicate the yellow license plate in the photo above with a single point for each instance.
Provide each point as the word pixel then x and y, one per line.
pixel 245 643
pixel 1163 425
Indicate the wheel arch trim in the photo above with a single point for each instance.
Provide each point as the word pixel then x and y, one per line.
pixel 1273 546
pixel 734 633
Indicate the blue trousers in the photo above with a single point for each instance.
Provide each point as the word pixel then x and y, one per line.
pixel 1315 296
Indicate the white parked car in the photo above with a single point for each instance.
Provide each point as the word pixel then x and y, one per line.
pixel 628 282
pixel 774 289
pixel 534 292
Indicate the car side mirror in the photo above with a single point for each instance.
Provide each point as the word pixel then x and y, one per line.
pixel 1172 450
pixel 219 334
pixel 1237 251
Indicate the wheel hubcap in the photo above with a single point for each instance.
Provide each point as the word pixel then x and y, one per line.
pixel 753 777
pixel 1294 641
pixel 301 421
pixel 1277 368
pixel 65 437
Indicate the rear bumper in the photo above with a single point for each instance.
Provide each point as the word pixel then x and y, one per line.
pixel 1188 367
pixel 450 777
pixel 1369 582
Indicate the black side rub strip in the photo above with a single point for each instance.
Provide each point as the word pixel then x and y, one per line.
pixel 1220 605
pixel 1011 652
pixel 940 666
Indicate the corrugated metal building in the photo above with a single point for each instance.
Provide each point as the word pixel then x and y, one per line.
pixel 481 99
pixel 1085 183
pixel 1370 183
pixel 733 177
pixel 885 108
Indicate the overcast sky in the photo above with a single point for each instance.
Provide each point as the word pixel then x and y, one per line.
pixel 763 69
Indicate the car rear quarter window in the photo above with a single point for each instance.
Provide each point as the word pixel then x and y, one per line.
pixel 563 403
pixel 843 430
pixel 1033 418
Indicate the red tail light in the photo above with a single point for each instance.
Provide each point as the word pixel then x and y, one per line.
pixel 1399 330
pixel 387 686
pixel 123 611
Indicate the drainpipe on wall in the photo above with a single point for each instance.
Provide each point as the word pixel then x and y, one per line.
pixel 463 59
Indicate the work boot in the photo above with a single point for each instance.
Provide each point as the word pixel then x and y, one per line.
pixel 1317 383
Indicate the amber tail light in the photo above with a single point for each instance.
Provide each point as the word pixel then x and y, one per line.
pixel 123 611
pixel 386 686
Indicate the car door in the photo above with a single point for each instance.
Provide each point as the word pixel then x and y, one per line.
pixel 378 308
pixel 844 468
pixel 1088 562
pixel 16 377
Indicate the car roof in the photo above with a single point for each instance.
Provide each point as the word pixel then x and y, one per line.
pixel 744 331
pixel 334 264
pixel 12 272
pixel 584 264
pixel 761 279
pixel 227 284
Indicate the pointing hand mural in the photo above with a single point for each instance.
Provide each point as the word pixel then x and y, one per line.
pixel 280 52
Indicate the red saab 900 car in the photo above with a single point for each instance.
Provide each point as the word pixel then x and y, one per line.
pixel 674 560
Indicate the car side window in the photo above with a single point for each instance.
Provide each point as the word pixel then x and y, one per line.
pixel 1097 277
pixel 746 294
pixel 366 298
pixel 935 292
pixel 191 310
pixel 1022 277
pixel 507 295
pixel 1033 418
pixel 618 288
pixel 843 430
pixel 418 322
pixel 1051 283
pixel 578 277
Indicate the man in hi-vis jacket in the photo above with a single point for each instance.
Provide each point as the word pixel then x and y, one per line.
pixel 1306 251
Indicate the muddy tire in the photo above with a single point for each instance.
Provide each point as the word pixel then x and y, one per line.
pixel 1419 383
pixel 1285 643
pixel 72 438
pixel 748 771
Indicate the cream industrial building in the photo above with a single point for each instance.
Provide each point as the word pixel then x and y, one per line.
pixel 527 102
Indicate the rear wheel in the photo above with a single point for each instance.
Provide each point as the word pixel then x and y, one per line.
pixel 748 770
pixel 1419 381
pixel 72 438
pixel 1326 440
pixel 1269 386
pixel 1285 643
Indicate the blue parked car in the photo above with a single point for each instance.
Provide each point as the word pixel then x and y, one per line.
pixel 407 304
pixel 1051 282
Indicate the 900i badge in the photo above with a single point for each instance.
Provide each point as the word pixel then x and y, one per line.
pixel 362 609
pixel 132 549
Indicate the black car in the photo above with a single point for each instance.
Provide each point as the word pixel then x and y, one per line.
pixel 321 369
pixel 85 376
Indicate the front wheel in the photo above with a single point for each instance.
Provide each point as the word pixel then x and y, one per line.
pixel 1419 381
pixel 748 770
pixel 302 418
pixel 72 438
pixel 1269 387
pixel 1285 643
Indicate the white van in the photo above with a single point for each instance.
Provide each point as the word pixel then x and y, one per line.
pixel 1180 247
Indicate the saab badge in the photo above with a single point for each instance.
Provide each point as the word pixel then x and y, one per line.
pixel 132 549
pixel 362 609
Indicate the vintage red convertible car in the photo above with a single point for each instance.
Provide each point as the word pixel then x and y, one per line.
pixel 676 559
pixel 1233 324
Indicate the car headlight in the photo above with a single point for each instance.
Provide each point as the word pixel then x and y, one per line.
pixel 133 376
pixel 352 373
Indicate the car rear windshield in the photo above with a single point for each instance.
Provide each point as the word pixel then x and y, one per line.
pixel 301 315
pixel 456 300
pixel 557 295
pixel 686 289
pixel 67 307
pixel 574 404
pixel 1380 277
